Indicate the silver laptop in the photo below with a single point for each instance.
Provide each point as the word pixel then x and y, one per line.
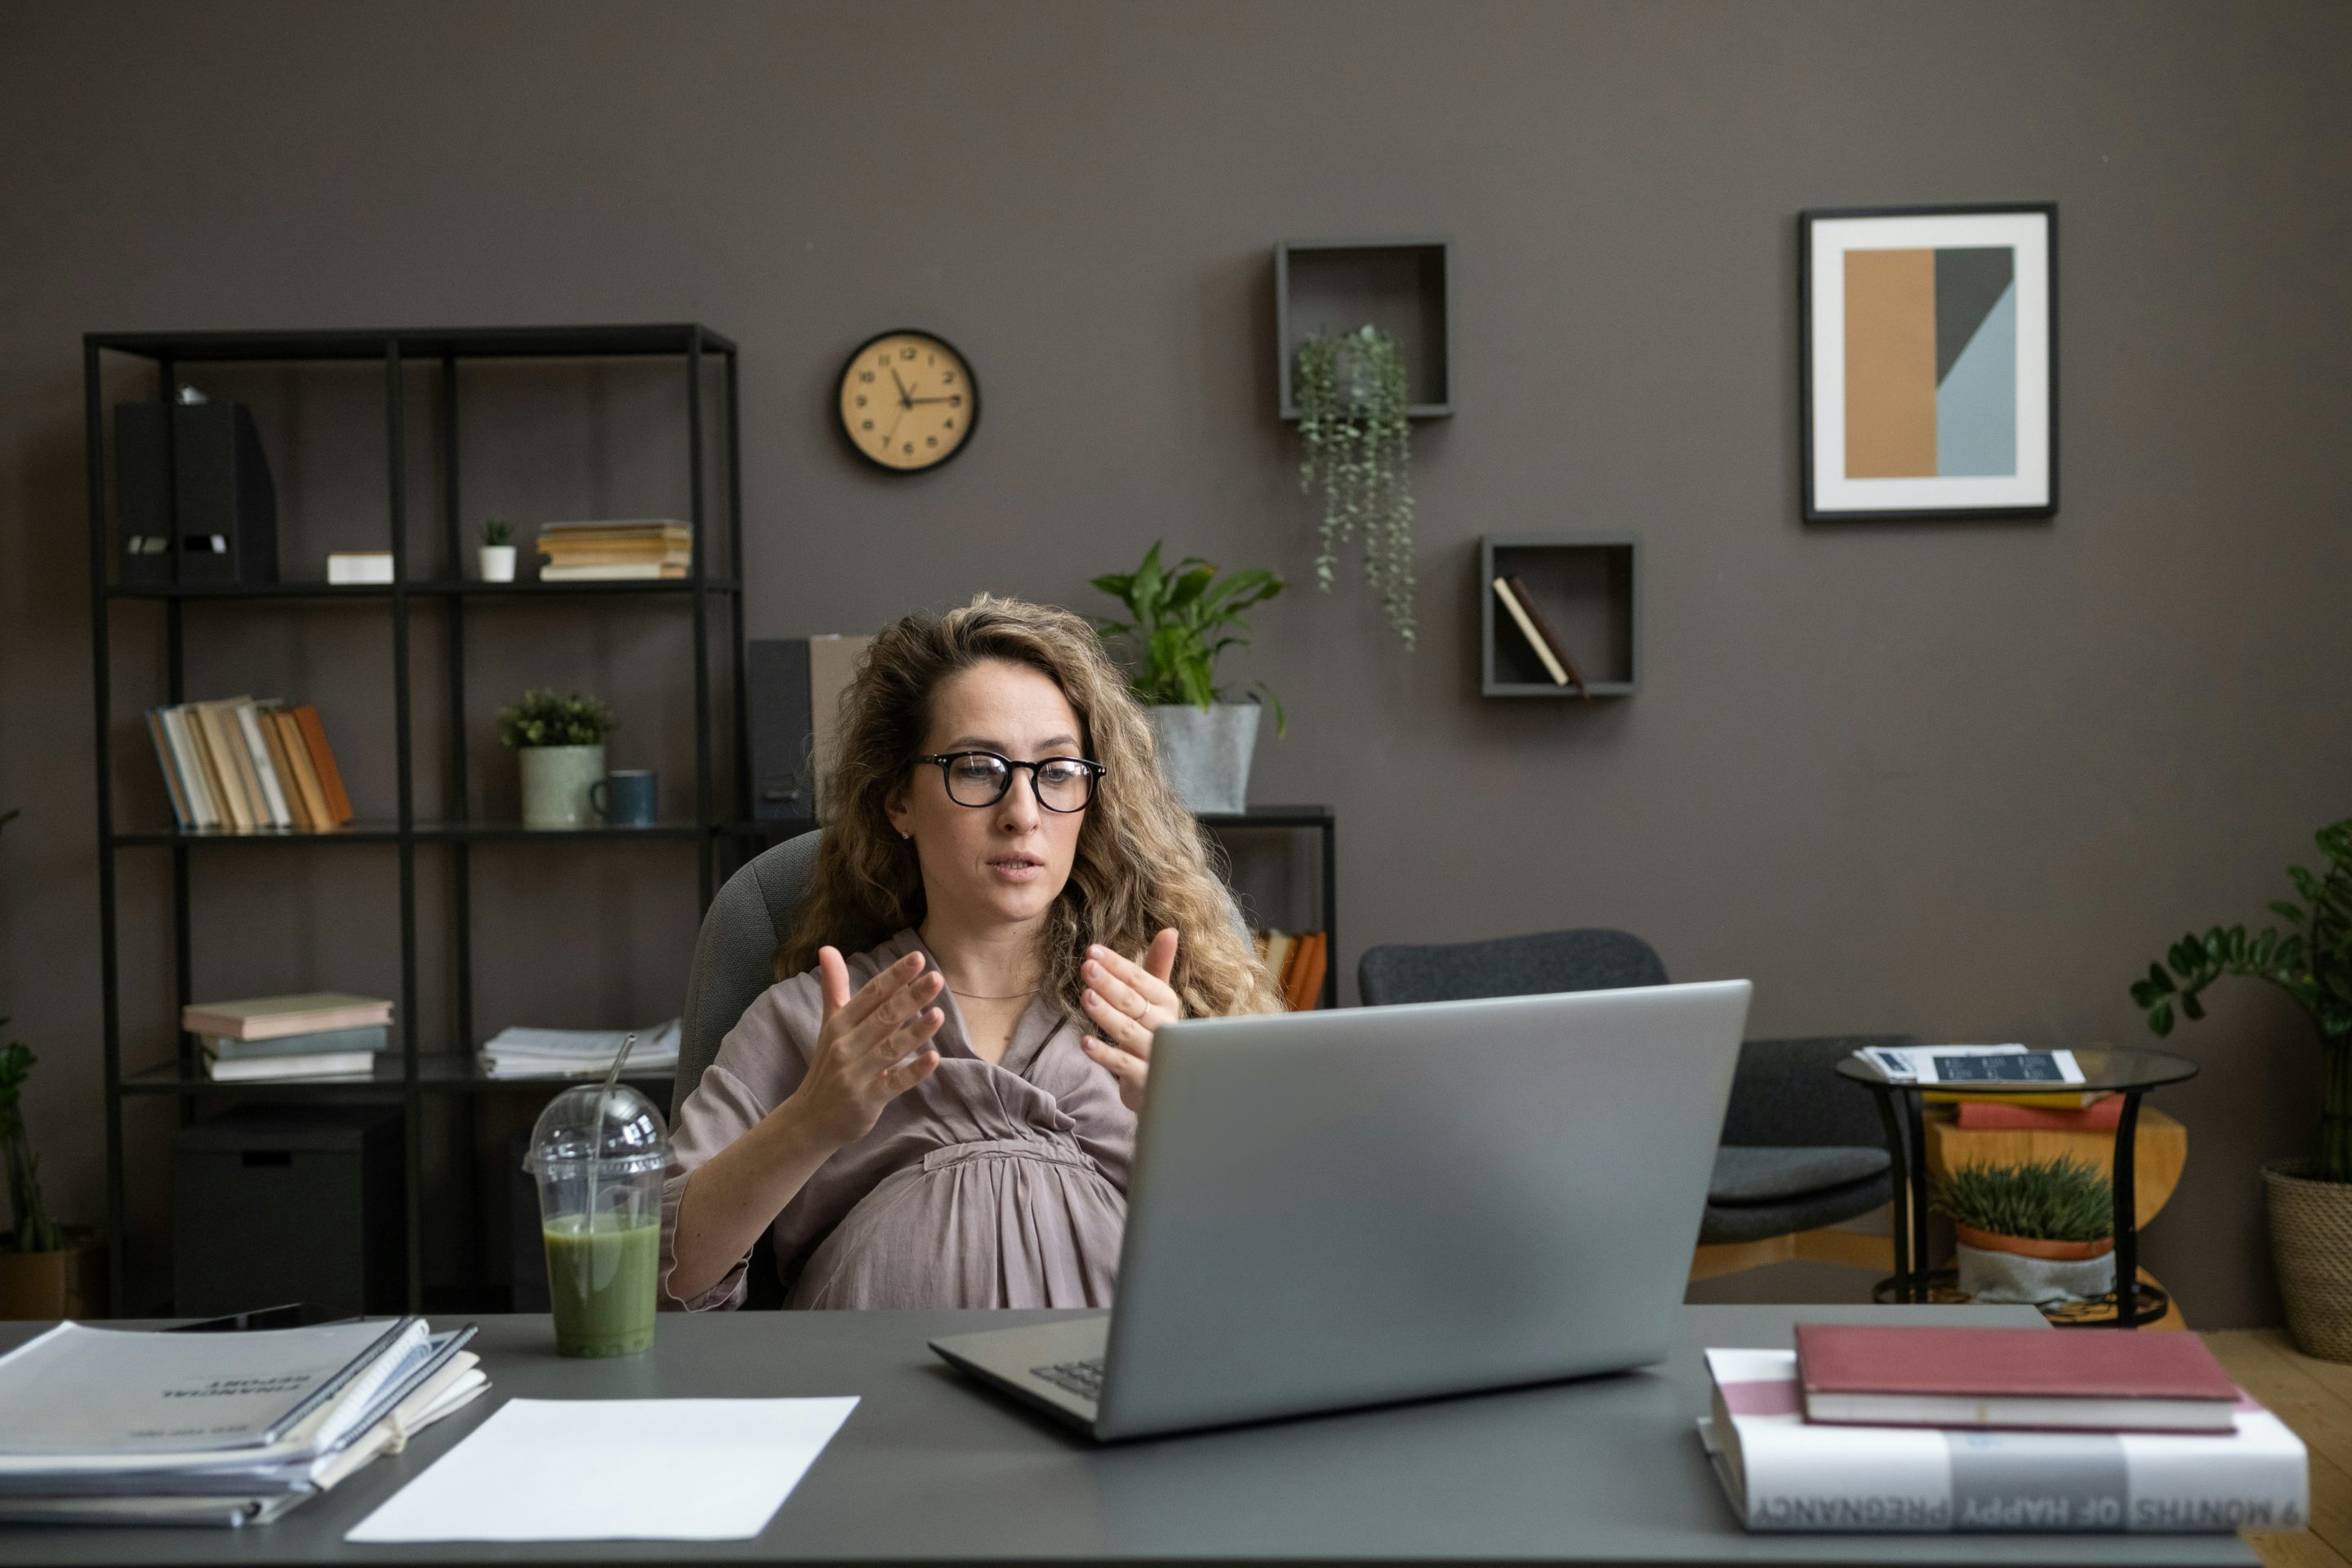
pixel 1349 1207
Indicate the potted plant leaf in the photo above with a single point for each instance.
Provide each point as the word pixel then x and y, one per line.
pixel 2039 1232
pixel 47 1270
pixel 1352 394
pixel 1181 619
pixel 562 745
pixel 2311 961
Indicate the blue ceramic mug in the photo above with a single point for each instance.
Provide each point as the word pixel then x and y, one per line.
pixel 626 799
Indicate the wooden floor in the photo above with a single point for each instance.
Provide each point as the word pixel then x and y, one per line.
pixel 2315 1398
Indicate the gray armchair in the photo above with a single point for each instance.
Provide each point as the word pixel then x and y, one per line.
pixel 734 957
pixel 1799 1150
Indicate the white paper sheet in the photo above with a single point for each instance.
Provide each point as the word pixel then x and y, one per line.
pixel 614 1469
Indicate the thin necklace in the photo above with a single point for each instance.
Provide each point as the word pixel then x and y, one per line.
pixel 1011 996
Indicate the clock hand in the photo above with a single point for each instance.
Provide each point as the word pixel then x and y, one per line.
pixel 906 399
pixel 915 400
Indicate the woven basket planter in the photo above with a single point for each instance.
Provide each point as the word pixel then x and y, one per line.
pixel 2311 1245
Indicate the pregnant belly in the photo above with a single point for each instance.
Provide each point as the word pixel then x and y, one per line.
pixel 1003 1222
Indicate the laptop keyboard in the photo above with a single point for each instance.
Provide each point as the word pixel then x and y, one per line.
pixel 1083 1378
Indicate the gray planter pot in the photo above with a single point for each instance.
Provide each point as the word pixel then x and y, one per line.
pixel 1205 757
pixel 555 781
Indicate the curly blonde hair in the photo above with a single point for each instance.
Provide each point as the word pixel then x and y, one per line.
pixel 1141 863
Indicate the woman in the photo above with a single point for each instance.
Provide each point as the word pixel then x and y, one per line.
pixel 945 1118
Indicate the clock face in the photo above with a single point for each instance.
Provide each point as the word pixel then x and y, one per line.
pixel 908 401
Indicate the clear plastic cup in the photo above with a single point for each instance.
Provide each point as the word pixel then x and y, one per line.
pixel 599 1156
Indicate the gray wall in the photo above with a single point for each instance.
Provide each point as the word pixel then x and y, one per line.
pixel 1964 780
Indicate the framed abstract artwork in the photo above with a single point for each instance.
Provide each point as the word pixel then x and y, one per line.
pixel 1928 354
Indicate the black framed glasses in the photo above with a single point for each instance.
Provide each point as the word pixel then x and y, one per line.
pixel 981 778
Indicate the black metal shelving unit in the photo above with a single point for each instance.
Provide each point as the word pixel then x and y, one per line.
pixel 409 1080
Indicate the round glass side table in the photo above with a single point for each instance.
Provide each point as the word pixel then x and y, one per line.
pixel 2128 1074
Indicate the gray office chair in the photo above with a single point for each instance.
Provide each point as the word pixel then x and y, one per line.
pixel 1799 1150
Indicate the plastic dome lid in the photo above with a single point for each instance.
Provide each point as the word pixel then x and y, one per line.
pixel 620 1131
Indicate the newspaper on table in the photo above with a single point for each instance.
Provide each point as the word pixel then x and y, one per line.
pixel 1957 1066
pixel 578 1053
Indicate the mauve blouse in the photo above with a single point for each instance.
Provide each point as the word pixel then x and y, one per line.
pixel 987 1184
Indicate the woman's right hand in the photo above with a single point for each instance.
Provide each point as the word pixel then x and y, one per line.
pixel 860 1064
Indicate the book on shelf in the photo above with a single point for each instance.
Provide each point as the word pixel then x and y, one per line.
pixel 1297 962
pixel 577 1053
pixel 1531 621
pixel 345 566
pixel 372 1038
pixel 1892 1376
pixel 666 529
pixel 246 766
pixel 274 1017
pixel 1519 614
pixel 1782 1472
pixel 266 1069
pixel 2004 1114
pixel 621 571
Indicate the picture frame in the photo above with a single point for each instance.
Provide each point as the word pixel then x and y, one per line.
pixel 1927 354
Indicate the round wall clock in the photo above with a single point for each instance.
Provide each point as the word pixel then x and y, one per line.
pixel 908 401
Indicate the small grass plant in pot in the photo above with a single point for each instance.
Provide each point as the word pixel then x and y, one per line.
pixel 2041 1232
pixel 46 1269
pixel 1181 620
pixel 496 558
pixel 2310 959
pixel 561 744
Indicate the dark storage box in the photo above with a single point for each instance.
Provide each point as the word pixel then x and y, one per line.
pixel 222 508
pixel 289 1203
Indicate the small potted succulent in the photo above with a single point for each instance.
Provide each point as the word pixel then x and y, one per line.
pixel 46 1269
pixel 2311 961
pixel 562 744
pixel 1181 619
pixel 496 557
pixel 2039 1232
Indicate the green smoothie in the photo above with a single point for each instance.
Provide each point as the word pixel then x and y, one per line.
pixel 600 1284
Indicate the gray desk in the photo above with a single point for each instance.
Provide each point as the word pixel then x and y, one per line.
pixel 931 1469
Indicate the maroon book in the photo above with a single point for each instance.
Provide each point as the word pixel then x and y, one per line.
pixel 2097 1379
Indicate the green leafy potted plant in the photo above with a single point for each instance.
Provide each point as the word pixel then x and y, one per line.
pixel 2039 1232
pixel 2311 961
pixel 496 558
pixel 47 1270
pixel 1353 397
pixel 1180 620
pixel 562 744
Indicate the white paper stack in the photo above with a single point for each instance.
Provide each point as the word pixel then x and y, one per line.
pixel 111 1426
pixel 578 1053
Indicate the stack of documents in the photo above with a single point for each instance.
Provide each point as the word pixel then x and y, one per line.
pixel 120 1426
pixel 578 1053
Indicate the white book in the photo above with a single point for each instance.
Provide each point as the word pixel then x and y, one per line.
pixel 360 566
pixel 316 1064
pixel 1528 627
pixel 273 792
pixel 1784 1473
pixel 616 571
pixel 201 805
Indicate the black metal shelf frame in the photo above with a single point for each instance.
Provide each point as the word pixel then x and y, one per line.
pixel 398 349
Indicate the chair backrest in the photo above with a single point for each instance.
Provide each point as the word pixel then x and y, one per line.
pixel 735 955
pixel 1596 960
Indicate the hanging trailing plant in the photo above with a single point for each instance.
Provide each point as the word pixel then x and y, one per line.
pixel 1351 394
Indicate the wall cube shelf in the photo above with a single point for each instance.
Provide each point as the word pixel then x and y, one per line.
pixel 1404 287
pixel 1585 588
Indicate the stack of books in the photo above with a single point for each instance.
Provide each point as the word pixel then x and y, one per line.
pixel 1297 961
pixel 1889 1428
pixel 321 1034
pixel 239 765
pixel 614 552
pixel 578 1053
pixel 121 1426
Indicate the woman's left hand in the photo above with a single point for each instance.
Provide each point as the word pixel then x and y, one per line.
pixel 1127 1001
